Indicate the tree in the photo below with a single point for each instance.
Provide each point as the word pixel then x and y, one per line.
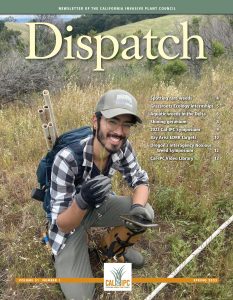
pixel 2 25
pixel 10 19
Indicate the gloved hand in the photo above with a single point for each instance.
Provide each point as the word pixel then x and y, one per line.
pixel 93 192
pixel 145 212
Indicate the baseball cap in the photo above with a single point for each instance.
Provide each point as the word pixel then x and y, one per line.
pixel 117 102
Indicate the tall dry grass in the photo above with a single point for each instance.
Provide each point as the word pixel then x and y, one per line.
pixel 191 199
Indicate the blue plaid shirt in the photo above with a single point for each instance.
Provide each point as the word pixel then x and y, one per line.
pixel 64 171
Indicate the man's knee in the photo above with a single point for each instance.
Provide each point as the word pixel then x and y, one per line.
pixel 149 208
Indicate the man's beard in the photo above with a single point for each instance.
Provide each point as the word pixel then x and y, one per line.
pixel 114 148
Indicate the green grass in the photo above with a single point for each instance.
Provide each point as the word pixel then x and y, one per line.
pixel 159 26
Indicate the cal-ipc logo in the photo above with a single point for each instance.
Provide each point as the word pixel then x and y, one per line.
pixel 117 277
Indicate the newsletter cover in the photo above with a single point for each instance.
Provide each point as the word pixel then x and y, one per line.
pixel 138 205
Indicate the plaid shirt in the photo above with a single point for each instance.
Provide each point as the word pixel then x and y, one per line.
pixel 64 171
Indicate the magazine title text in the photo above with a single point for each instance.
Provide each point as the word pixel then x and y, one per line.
pixel 89 46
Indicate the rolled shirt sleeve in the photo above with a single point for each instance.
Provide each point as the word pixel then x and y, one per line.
pixel 62 182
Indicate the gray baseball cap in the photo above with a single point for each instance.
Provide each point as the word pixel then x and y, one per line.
pixel 117 102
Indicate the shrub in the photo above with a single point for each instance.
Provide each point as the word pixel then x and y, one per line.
pixel 159 73
pixel 169 71
pixel 20 77
pixel 9 39
pixel 217 48
pixel 175 67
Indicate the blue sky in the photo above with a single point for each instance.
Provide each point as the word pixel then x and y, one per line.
pixel 29 17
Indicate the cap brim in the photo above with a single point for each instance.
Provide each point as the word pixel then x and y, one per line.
pixel 111 113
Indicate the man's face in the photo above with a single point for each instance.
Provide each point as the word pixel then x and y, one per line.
pixel 113 132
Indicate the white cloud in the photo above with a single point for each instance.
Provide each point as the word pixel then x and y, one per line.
pixel 32 16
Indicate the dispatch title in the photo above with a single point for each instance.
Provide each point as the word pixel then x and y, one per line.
pixel 85 44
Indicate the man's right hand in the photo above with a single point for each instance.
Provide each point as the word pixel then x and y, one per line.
pixel 93 192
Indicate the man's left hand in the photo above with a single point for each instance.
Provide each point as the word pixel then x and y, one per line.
pixel 145 212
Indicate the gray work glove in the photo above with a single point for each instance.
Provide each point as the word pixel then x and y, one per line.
pixel 93 192
pixel 145 212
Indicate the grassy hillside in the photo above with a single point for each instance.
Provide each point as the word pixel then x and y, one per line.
pixel 191 199
pixel 159 26
pixel 21 27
